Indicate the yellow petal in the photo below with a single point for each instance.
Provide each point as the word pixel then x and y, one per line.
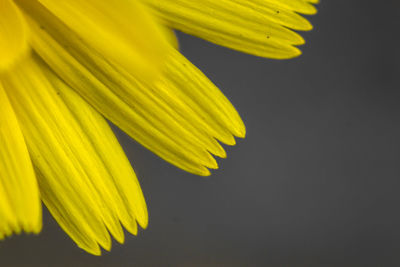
pixel 200 100
pixel 258 27
pixel 153 115
pixel 121 30
pixel 13 34
pixel 85 179
pixel 20 207
pixel 312 1
pixel 299 6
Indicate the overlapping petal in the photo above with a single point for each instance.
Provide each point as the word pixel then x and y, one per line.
pixel 121 31
pixel 20 208
pixel 149 113
pixel 85 180
pixel 258 27
pixel 113 58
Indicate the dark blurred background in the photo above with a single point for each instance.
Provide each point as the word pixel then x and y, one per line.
pixel 316 181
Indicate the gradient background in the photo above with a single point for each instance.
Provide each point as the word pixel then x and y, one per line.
pixel 316 181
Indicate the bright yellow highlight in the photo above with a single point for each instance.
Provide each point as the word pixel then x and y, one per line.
pixel 124 24
pixel 258 27
pixel 13 34
pixel 67 65
pixel 19 194
pixel 81 169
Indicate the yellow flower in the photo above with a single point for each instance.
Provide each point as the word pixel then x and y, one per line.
pixel 65 64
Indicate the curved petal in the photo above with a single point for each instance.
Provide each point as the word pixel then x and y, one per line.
pixel 300 6
pixel 13 34
pixel 20 207
pixel 258 27
pixel 122 30
pixel 85 180
pixel 156 116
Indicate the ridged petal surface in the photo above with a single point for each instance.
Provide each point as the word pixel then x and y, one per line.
pixel 84 178
pixel 258 27
pixel 120 30
pixel 20 207
pixel 159 116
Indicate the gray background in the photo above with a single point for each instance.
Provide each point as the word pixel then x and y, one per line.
pixel 316 181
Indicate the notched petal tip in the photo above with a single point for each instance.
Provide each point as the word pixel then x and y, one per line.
pixel 241 25
pixel 20 207
pixel 100 189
